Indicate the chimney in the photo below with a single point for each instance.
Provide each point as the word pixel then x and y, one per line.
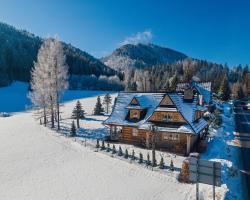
pixel 188 95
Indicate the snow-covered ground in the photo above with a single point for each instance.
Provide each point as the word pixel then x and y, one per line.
pixel 219 149
pixel 38 163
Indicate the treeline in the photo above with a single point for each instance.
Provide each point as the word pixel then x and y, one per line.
pixel 165 77
pixel 92 82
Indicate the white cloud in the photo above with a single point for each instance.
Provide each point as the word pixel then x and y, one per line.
pixel 140 37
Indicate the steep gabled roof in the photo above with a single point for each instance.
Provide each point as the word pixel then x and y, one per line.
pixel 120 110
pixel 188 112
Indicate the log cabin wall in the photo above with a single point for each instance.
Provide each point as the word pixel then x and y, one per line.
pixel 172 142
pixel 160 116
pixel 166 102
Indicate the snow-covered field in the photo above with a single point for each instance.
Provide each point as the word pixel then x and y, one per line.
pixel 38 163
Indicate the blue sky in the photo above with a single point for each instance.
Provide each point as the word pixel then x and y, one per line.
pixel 215 30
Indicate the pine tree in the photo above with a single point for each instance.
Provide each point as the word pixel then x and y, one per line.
pixel 161 165
pixel 98 110
pixel 97 143
pixel 78 113
pixel 140 158
pixel 171 165
pixel 72 130
pixel 107 102
pixel 126 154
pixel 103 145
pixel 133 155
pixel 224 89
pixel 113 149
pixel 120 153
pixel 108 147
pixel 148 160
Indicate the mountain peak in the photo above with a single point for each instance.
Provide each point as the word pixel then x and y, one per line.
pixel 141 56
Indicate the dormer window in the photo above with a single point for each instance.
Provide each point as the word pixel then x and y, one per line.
pixel 134 114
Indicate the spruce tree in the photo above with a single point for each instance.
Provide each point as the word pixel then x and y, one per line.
pixel 140 158
pixel 113 149
pixel 107 102
pixel 120 153
pixel 108 147
pixel 72 130
pixel 98 110
pixel 97 143
pixel 78 113
pixel 148 160
pixel 161 165
pixel 133 155
pixel 103 145
pixel 171 165
pixel 126 154
pixel 225 89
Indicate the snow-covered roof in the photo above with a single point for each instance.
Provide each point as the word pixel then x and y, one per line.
pixel 166 109
pixel 151 102
pixel 188 112
pixel 205 90
pixel 148 100
pixel 180 129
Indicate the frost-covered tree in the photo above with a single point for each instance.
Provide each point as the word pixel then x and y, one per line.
pixel 39 81
pixel 59 74
pixel 49 78
pixel 98 110
pixel 78 113
pixel 107 102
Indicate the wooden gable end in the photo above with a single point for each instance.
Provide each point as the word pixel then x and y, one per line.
pixel 134 102
pixel 175 117
pixel 166 101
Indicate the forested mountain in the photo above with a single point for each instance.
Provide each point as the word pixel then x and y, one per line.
pixel 141 56
pixel 18 51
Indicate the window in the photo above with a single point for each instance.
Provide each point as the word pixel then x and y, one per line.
pixel 134 131
pixel 197 114
pixel 172 137
pixel 167 118
pixel 134 114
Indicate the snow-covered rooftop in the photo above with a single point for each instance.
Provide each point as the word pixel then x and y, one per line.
pixel 188 112
pixel 151 102
pixel 120 110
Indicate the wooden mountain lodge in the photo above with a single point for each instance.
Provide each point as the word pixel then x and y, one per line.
pixel 176 119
